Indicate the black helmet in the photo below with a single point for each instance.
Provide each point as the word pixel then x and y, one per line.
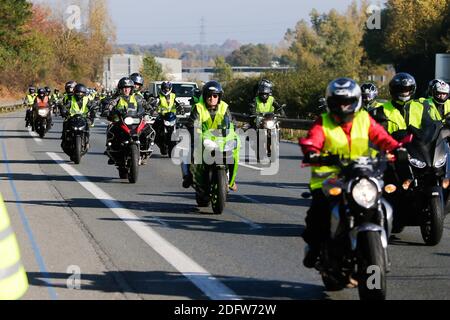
pixel 80 90
pixel 137 79
pixel 430 86
pixel 31 89
pixel 440 92
pixel 56 90
pixel 70 86
pixel 343 98
pixel 48 90
pixel 402 87
pixel 369 92
pixel 212 87
pixel 166 88
pixel 41 92
pixel 147 95
pixel 125 83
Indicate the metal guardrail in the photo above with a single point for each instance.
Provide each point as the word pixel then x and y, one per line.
pixel 11 107
pixel 285 123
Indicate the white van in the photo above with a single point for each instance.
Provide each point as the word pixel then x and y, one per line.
pixel 183 90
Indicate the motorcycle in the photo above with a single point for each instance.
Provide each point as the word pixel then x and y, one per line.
pixel 42 120
pixel 166 128
pixel 132 144
pixel 268 128
pixel 76 137
pixel 212 178
pixel 421 198
pixel 361 223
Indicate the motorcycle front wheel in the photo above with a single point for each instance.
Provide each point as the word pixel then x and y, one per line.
pixel 433 225
pixel 134 164
pixel 219 188
pixel 371 267
pixel 77 150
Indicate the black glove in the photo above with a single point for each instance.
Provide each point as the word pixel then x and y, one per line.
pixel 312 157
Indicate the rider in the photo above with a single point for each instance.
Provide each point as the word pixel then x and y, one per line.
pixel 346 131
pixel 166 101
pixel 208 114
pixel 69 87
pixel 369 93
pixel 439 98
pixel 264 101
pixel 138 80
pixel 78 104
pixel 29 102
pixel 42 101
pixel 124 102
pixel 390 115
pixel 414 109
pixel 48 91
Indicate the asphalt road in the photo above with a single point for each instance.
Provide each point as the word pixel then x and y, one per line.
pixel 149 240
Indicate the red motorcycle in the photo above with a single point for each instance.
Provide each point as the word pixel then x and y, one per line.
pixel 130 142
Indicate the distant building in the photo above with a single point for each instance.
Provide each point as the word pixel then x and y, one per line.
pixel 118 66
pixel 206 74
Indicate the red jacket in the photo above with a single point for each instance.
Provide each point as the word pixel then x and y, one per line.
pixel 377 135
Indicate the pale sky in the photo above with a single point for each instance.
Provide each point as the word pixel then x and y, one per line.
pixel 248 21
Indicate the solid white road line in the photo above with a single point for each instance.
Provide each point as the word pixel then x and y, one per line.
pixel 201 278
pixel 35 136
pixel 251 167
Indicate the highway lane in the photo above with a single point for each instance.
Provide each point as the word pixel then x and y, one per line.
pixel 253 250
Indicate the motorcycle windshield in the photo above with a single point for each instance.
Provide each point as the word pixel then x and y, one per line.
pixel 170 116
pixel 77 121
pixel 424 143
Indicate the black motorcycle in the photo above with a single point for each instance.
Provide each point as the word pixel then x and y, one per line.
pixel 421 199
pixel 131 144
pixel 166 127
pixel 76 137
pixel 361 221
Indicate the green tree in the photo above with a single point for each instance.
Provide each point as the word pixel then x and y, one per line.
pixel 151 69
pixel 222 70
pixel 333 42
pixel 251 55
pixel 412 33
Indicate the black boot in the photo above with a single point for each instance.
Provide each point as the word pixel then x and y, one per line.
pixel 311 256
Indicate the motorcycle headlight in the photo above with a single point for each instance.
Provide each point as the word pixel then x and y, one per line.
pixel 439 163
pixel 230 146
pixel 80 128
pixel 169 123
pixel 209 144
pixel 270 124
pixel 365 193
pixel 43 112
pixel 417 163
pixel 128 121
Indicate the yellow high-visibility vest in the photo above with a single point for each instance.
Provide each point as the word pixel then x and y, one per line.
pixel 336 143
pixel 13 278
